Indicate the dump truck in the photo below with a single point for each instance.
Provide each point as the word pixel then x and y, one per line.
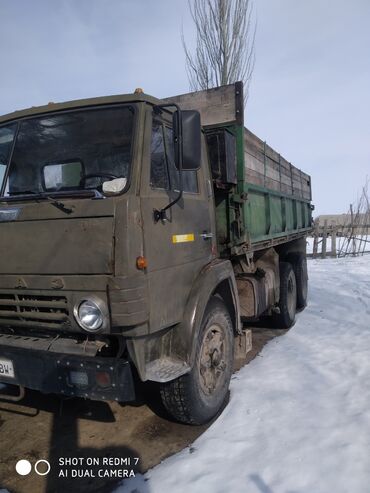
pixel 138 237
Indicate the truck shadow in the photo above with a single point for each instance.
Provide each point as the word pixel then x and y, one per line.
pixel 95 471
pixel 87 477
pixel 101 428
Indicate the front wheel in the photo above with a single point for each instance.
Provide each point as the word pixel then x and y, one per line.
pixel 196 397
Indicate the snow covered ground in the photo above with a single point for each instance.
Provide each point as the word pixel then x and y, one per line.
pixel 298 420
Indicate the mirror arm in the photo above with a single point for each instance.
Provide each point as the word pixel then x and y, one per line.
pixel 160 215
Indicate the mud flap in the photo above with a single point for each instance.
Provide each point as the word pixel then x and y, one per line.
pixel 242 346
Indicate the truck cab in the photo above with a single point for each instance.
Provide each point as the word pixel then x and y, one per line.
pixel 111 267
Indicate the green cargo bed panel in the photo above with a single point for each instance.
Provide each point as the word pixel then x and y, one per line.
pixel 268 214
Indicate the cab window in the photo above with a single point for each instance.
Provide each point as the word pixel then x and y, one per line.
pixel 158 167
pixel 163 172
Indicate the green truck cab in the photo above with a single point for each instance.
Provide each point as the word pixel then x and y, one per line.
pixel 136 235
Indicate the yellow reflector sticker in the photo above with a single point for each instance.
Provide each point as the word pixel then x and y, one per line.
pixel 182 238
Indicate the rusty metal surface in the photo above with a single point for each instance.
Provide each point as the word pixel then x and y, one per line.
pixel 53 344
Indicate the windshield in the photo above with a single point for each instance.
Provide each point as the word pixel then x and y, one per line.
pixel 70 151
pixel 7 133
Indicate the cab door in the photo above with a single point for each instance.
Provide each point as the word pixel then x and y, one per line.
pixel 176 249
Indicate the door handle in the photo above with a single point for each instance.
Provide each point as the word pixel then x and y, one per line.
pixel 206 236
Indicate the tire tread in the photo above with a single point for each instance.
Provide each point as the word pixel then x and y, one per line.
pixel 282 320
pixel 177 395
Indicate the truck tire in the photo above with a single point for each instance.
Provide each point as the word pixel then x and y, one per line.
pixel 288 297
pixel 299 262
pixel 196 397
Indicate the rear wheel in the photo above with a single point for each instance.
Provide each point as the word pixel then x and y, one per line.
pixel 299 262
pixel 196 397
pixel 288 297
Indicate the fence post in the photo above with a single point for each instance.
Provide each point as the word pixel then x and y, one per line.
pixel 324 237
pixel 334 243
pixel 315 239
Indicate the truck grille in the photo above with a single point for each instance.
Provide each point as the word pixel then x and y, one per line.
pixel 24 310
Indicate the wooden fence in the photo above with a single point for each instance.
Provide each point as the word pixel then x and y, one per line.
pixel 340 240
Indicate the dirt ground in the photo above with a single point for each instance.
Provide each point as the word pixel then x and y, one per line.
pixel 46 427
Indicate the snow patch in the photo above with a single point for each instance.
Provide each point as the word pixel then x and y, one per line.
pixel 299 415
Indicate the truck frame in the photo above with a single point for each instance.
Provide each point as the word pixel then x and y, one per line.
pixel 137 235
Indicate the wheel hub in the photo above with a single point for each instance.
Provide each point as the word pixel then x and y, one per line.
pixel 212 359
pixel 291 295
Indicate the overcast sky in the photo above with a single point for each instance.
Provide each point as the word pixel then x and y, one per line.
pixel 310 95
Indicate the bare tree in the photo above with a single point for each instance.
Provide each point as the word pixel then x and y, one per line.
pixel 356 233
pixel 224 52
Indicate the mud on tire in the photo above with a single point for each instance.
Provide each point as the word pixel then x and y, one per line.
pixel 196 397
pixel 288 297
pixel 299 263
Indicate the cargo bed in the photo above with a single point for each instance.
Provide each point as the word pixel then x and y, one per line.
pixel 266 200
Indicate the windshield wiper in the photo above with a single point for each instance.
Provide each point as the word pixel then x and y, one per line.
pixel 24 192
pixel 39 195
pixel 60 206
pixel 31 194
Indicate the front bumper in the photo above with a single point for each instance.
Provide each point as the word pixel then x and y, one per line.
pixel 51 372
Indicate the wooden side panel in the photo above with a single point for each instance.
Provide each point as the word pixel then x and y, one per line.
pixel 265 167
pixel 220 105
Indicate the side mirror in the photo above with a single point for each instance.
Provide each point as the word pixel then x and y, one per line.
pixel 187 138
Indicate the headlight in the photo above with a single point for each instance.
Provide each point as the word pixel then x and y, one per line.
pixel 89 315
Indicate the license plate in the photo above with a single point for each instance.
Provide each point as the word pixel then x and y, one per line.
pixel 6 368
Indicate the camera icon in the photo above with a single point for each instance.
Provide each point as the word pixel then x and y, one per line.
pixel 24 467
